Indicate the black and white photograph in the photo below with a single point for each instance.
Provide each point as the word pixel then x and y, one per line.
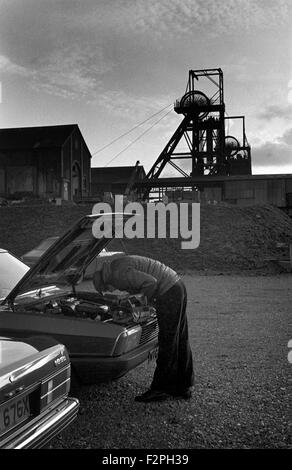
pixel 145 227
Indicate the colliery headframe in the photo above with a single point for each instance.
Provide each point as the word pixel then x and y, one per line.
pixel 207 159
pixel 201 146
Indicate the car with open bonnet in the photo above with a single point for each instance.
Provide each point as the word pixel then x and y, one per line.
pixel 106 334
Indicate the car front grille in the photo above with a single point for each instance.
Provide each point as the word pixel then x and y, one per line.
pixel 149 332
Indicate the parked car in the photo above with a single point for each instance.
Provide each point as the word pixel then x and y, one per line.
pixel 103 339
pixel 34 386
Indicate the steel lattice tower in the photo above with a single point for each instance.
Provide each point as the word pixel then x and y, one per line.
pixel 199 146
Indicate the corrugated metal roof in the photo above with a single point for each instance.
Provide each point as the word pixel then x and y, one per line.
pixel 35 137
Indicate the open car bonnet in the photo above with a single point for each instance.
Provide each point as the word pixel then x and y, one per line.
pixel 66 260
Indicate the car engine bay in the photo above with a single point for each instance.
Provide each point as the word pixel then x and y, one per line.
pixel 115 307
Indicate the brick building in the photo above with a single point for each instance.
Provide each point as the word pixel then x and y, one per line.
pixel 49 162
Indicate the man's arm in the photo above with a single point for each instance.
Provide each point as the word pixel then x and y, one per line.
pixel 141 282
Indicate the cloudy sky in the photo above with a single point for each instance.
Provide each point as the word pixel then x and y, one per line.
pixel 109 65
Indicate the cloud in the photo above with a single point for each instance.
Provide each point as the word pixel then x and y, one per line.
pixel 276 111
pixel 74 71
pixel 79 73
pixel 286 138
pixel 9 67
pixel 130 106
pixel 274 153
pixel 175 17
pixel 69 45
pixel 164 18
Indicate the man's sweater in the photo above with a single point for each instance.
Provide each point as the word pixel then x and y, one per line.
pixel 135 274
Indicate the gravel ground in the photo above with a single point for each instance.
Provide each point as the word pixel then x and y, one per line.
pixel 239 336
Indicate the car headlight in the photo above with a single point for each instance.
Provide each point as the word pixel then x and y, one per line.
pixel 128 340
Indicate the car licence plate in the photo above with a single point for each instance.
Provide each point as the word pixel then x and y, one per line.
pixel 14 412
pixel 153 354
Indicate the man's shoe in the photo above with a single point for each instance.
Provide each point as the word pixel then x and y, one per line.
pixel 152 395
pixel 185 394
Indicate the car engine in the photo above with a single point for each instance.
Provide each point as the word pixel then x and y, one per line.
pixel 116 307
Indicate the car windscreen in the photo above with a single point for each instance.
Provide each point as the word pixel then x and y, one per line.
pixel 11 271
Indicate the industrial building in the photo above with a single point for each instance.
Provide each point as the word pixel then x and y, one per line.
pixel 49 162
pixel 239 190
pixel 115 179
